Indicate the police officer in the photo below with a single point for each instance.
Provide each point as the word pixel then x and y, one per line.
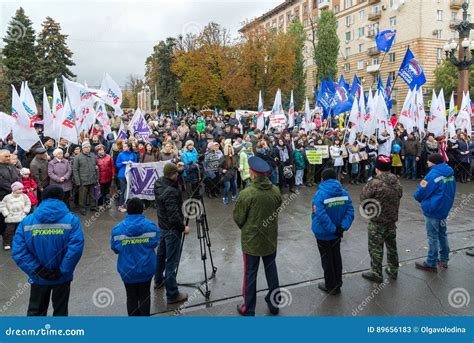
pixel 47 246
pixel 436 194
pixel 256 214
pixel 380 202
pixel 332 214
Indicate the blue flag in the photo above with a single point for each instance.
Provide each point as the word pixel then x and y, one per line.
pixel 324 98
pixel 355 87
pixel 388 93
pixel 343 82
pixel 342 101
pixel 380 87
pixel 384 40
pixel 411 72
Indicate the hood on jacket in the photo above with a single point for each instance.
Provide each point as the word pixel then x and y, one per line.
pixel 388 178
pixel 331 187
pixel 442 170
pixel 133 224
pixel 50 211
pixel 263 183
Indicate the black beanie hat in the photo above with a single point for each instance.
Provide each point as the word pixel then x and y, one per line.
pixel 135 206
pixel 436 158
pixel 53 192
pixel 329 173
pixel 383 163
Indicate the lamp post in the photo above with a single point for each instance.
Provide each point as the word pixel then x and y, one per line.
pixel 462 62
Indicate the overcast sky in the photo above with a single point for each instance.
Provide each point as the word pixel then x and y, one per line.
pixel 117 36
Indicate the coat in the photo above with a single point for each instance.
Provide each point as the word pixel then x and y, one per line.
pixel 85 169
pixel 106 168
pixel 39 171
pixel 8 175
pixel 244 165
pixel 169 205
pixel 58 169
pixel 15 207
pixel 125 156
pixel 256 214
pixel 134 240
pixel 29 187
pixel 50 237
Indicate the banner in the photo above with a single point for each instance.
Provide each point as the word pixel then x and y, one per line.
pixel 323 150
pixel 314 157
pixel 141 179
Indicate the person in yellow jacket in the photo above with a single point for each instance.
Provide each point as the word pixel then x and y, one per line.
pixel 244 168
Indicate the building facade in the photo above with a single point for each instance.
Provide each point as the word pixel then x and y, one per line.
pixel 423 25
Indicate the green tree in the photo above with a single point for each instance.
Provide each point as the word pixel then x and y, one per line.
pixel 446 77
pixel 160 75
pixel 19 60
pixel 133 86
pixel 327 46
pixel 298 36
pixel 54 56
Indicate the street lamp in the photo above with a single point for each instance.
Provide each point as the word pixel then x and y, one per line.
pixel 462 61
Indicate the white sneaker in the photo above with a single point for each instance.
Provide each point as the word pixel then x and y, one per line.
pixel 122 209
pixel 7 247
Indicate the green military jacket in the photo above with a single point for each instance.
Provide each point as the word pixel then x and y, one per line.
pixel 256 214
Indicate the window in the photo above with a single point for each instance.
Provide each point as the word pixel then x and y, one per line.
pixel 349 20
pixel 305 22
pixel 305 8
pixel 439 15
pixel 348 3
pixel 454 15
pixel 439 34
pixel 336 9
pixel 361 15
pixel 347 67
pixel 360 65
pixel 361 47
pixel 297 12
pixel 391 57
pixel 361 31
pixel 348 36
pixel 394 4
pixel 391 74
pixel 288 16
pixel 393 21
pixel 376 28
pixel 439 54
pixel 315 3
pixel 348 52
pixel 375 60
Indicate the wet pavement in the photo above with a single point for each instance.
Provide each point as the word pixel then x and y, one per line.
pixel 98 290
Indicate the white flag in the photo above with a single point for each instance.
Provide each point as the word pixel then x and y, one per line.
pixel 6 124
pixel 24 132
pixel 58 107
pixel 103 118
pixel 420 113
pixel 113 90
pixel 383 116
pixel 307 116
pixel 291 112
pixel 451 117
pixel 370 118
pixel 463 120
pixel 67 128
pixel 437 119
pixel 138 125
pixel 354 119
pixel 406 115
pixel 260 116
pixel 49 122
pixel 29 104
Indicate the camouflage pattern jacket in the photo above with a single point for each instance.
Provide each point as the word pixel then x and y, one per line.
pixel 380 199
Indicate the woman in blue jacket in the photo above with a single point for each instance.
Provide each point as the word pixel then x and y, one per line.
pixel 190 174
pixel 135 240
pixel 124 158
pixel 332 214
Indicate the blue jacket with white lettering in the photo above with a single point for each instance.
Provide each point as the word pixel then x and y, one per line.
pixel 332 207
pixel 50 237
pixel 134 240
pixel 436 192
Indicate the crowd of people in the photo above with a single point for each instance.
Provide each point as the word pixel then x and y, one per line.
pixel 236 161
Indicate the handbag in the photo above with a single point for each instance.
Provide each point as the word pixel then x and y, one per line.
pixel 288 172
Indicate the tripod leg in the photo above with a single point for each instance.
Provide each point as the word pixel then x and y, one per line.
pixel 202 246
pixel 181 247
pixel 208 243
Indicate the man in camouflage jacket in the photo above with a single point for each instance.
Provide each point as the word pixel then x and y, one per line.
pixel 380 202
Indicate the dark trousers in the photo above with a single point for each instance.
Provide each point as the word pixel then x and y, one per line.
pixel 39 196
pixel 3 225
pixel 86 196
pixel 67 197
pixel 123 188
pixel 40 295
pixel 168 260
pixel 9 233
pixel 138 298
pixel 249 288
pixel 331 262
pixel 104 193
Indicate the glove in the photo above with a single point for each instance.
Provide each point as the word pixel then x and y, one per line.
pixel 48 274
pixel 339 232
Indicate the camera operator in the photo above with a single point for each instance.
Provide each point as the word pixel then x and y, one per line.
pixel 171 223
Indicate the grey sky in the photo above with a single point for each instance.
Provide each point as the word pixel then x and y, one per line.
pixel 117 36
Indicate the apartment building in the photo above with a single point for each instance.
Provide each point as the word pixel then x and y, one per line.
pixel 423 25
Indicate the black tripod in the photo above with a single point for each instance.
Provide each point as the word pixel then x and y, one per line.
pixel 202 231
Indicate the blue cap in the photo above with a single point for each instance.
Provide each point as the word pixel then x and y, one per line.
pixel 259 165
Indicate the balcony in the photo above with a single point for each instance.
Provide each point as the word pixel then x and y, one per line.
pixel 373 2
pixel 373 51
pixel 373 68
pixel 370 33
pixel 323 4
pixel 455 4
pixel 453 23
pixel 375 15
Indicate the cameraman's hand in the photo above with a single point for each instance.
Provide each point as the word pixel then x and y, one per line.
pixel 187 230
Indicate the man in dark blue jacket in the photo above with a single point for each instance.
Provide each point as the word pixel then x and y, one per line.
pixel 332 214
pixel 135 240
pixel 47 246
pixel 436 194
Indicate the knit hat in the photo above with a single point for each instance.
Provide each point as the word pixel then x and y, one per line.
pixel 16 186
pixel 100 146
pixel 436 158
pixel 329 173
pixel 383 163
pixel 188 142
pixel 53 192
pixel 169 170
pixel 25 171
pixel 135 206
pixel 86 144
pixel 210 145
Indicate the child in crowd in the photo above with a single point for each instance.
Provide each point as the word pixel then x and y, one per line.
pixel 396 160
pixel 300 164
pixel 29 186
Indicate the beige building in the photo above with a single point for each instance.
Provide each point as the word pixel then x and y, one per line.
pixel 423 25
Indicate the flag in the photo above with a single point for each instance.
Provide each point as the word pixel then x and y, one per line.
pixel 370 120
pixel 463 120
pixel 406 115
pixel 291 112
pixel 380 87
pixel 103 118
pixel 451 117
pixel 67 128
pixel 411 72
pixel 49 122
pixel 388 93
pixel 122 134
pixel 277 117
pixel 354 119
pixel 437 117
pixel 420 113
pixel 385 39
pixel 28 102
pixel 342 100
pixel 24 131
pixel 139 126
pixel 307 116
pixel 343 82
pixel 324 98
pixel 7 123
pixel 277 106
pixel 383 116
pixel 114 92
pixel 260 116
pixel 58 107
pixel 355 87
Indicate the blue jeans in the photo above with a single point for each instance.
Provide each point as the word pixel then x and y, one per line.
pixel 230 184
pixel 437 241
pixel 123 189
pixel 273 176
pixel 168 260
pixel 410 167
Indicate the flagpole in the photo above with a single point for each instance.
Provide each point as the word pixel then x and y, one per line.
pixel 380 68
